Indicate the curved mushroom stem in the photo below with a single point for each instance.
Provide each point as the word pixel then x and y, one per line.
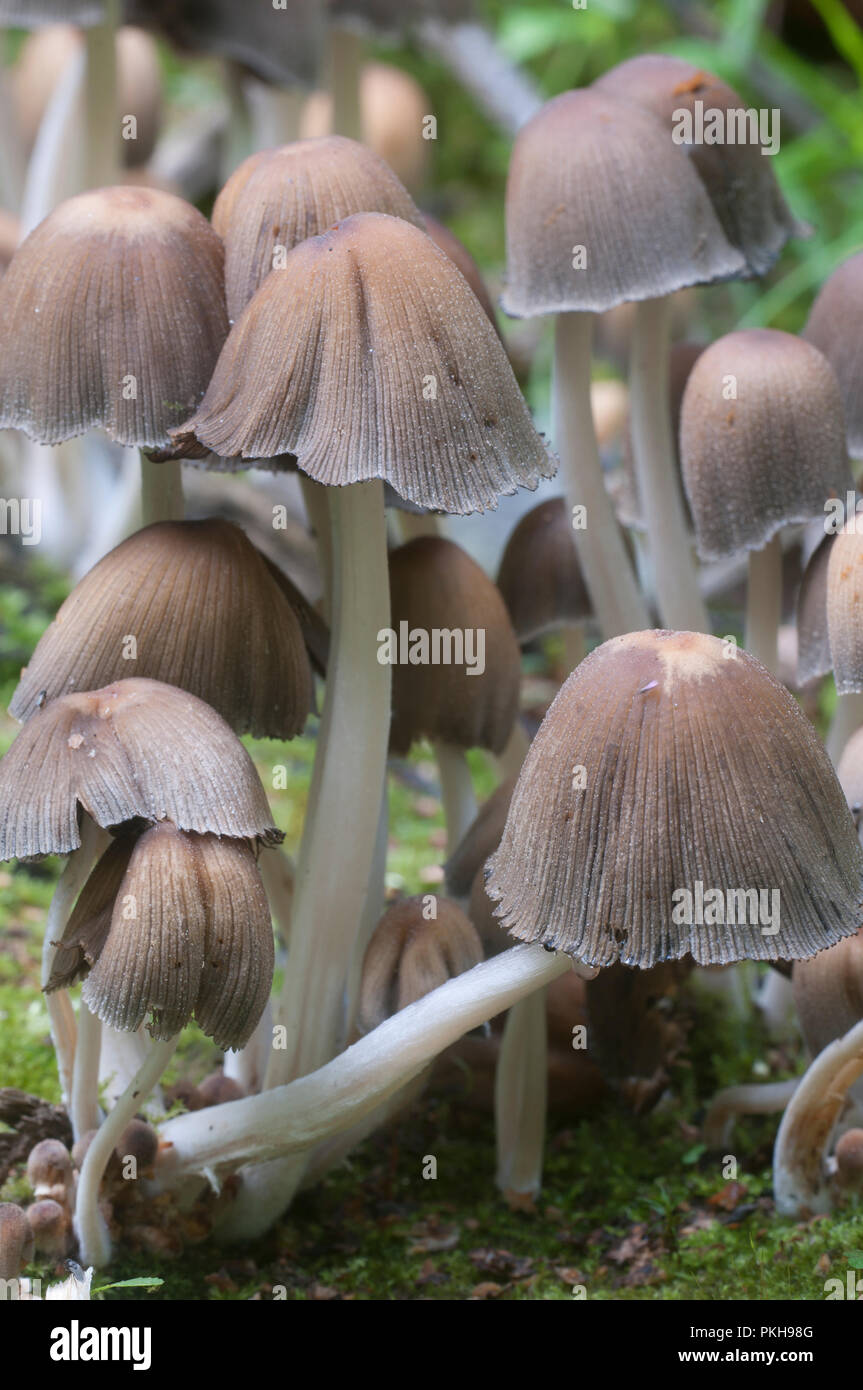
pixel 340 833
pixel 345 66
pixel 457 793
pixel 90 1227
pixel 372 913
pixel 61 1015
pixel 121 1056
pixel 294 1119
pixel 799 1178
pixel 520 1095
pixel 604 562
pixel 161 491
pixel 727 1105
pixel 84 1109
pixel 335 1150
pixel 675 575
pixel 764 603
pixel 102 127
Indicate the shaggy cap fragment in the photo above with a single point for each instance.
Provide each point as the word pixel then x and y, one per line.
pixel 205 613
pixel 540 577
pixel 738 178
pixel 114 315
pixel 277 198
pixel 828 992
pixel 436 587
pixel 410 954
pixel 282 45
pixel 368 356
pixel 136 749
pixel 813 638
pixel 834 328
pixel 844 597
pixel 667 761
pixel 189 932
pixel 762 439
pixel 590 172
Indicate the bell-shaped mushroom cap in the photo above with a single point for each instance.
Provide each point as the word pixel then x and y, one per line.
pixel 481 840
pixel 539 576
pixel 675 792
pixel 49 1170
pixel 368 356
pixel 738 177
pixel 219 1089
pixel 189 932
pixel 828 992
pixel 40 64
pixel 412 952
pixel 16 1240
pixel 136 749
pixel 139 1141
pixel 113 312
pixel 590 172
pixel 849 1158
pixel 460 256
pixel 457 665
pixel 50 1226
pixel 190 603
pixel 282 44
pixel 813 638
pixel 833 327
pixel 844 597
pixel 762 440
pixel 277 198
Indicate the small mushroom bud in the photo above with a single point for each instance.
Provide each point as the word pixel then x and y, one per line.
pixel 849 1159
pixel 50 1226
pixel 418 944
pixel 217 1089
pixel 140 1142
pixel 16 1240
pixel 185 1094
pixel 50 1174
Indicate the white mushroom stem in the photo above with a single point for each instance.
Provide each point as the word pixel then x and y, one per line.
pixel 61 1015
pixel 341 828
pixel 726 1106
pixel 764 603
pixel 49 179
pixel 161 491
pixel 335 1150
pixel 675 575
pixel 372 913
pixel 847 719
pixel 799 1156
pixel 278 873
pixel 102 145
pixel 318 518
pixel 457 793
pixel 84 1109
pixel 345 66
pixel 90 1226
pixel 297 1117
pixel 602 555
pixel 121 1056
pixel 521 1087
pixel 248 1066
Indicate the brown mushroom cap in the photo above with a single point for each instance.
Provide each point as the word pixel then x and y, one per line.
pixel 49 1169
pixel 218 1089
pixel 139 1141
pixel 828 992
pixel 773 454
pixel 849 1158
pixel 16 1240
pixel 368 356
pixel 539 576
pixel 136 749
pixel 114 315
pixel 589 171
pixel 189 932
pixel 411 953
pixel 670 759
pixel 206 614
pixel 277 198
pixel 49 1224
pixel 813 639
pixel 435 585
pixel 844 596
pixel 833 327
pixel 738 178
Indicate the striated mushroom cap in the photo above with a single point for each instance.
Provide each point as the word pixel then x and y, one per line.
pixel 539 576
pixel 189 932
pixel 738 178
pixel 462 688
pixel 588 171
pixel 458 253
pixel 114 315
pixel 411 952
pixel 136 749
pixel 368 356
pixel 667 761
pixel 277 198
pixel 762 440
pixel 205 613
pixel 833 327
